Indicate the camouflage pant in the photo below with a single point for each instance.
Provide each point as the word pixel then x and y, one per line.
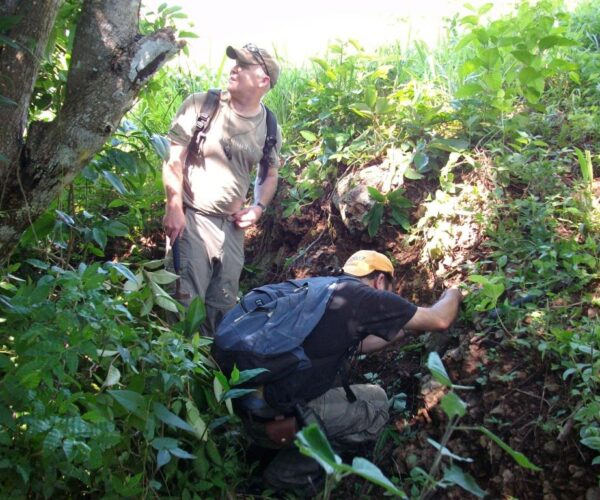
pixel 348 425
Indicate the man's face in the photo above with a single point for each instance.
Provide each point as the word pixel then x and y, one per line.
pixel 245 78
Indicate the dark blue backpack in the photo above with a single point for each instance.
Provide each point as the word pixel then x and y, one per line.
pixel 267 328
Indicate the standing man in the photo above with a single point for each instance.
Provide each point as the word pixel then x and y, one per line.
pixel 361 315
pixel 207 185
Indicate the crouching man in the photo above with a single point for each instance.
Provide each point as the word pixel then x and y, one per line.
pixel 303 332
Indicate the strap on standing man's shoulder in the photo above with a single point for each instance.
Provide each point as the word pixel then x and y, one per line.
pixel 270 142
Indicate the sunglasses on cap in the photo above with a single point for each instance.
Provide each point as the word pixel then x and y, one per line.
pixel 255 51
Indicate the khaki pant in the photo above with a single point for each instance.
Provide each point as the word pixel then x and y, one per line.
pixel 347 424
pixel 211 254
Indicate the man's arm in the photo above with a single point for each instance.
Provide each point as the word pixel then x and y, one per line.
pixel 437 317
pixel 440 315
pixel 172 174
pixel 263 194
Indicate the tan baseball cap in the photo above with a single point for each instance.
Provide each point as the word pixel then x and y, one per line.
pixel 251 54
pixel 364 262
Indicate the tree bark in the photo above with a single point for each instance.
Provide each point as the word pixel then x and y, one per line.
pixel 110 63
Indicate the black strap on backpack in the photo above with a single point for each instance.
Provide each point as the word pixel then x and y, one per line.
pixel 208 112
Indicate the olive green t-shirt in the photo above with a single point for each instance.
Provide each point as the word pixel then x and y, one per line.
pixel 216 184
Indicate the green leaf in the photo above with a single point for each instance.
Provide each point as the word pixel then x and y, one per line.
pixel 375 194
pixel 371 472
pixel 99 237
pixel 133 402
pixel 161 146
pixel 237 393
pixel 187 34
pixel 123 270
pixel 196 420
pixel 371 97
pixel 592 442
pixel 446 452
pixel 517 456
pixel 115 182
pixel 169 418
pixel 179 453
pixel 308 135
pixel 116 228
pixel 194 316
pixel 449 145
pixel 113 376
pixel 164 443
pixel 246 375
pixel 555 41
pixel 523 56
pixel 468 90
pixel 421 160
pixel 455 475
pixel 162 277
pixel 163 299
pixel 436 367
pixel 374 216
pixel 163 457
pixel 52 441
pixel 312 442
pixel 528 75
pixel 453 406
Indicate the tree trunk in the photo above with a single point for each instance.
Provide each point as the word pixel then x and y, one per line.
pixel 110 63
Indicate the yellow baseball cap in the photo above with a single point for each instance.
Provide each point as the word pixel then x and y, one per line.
pixel 364 262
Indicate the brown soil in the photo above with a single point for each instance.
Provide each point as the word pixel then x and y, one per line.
pixel 515 394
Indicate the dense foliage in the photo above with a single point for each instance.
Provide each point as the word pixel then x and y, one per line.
pixel 100 395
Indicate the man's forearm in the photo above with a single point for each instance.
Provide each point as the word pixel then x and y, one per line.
pixel 264 193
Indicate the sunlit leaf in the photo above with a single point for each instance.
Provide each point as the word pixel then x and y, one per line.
pixel 312 442
pixel 169 418
pixel 113 376
pixel 115 182
pixel 453 406
pixel 447 453
pixel 371 472
pixel 436 367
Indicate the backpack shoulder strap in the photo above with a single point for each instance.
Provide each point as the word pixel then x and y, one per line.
pixel 207 112
pixel 270 142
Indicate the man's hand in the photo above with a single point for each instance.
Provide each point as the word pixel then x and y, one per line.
pixel 247 216
pixel 174 222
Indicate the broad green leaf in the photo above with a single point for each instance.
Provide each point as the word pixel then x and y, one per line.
pixel 384 106
pixel 179 453
pixel 528 75
pixel 115 182
pixel 194 316
pixel 455 475
pixel 52 441
pixel 169 418
pixel 555 41
pixel 163 443
pixel 187 34
pixel 38 263
pixel 453 406
pixel 308 135
pixel 523 56
pixel 374 216
pixel 321 62
pixel 219 391
pixel 161 277
pixel 113 376
pixel 163 457
pixel 361 109
pixel 421 160
pixel 592 442
pixel 123 270
pixel 99 237
pixel 464 41
pixel 436 367
pixel 446 452
pixel 116 228
pixel 237 393
pixel 312 442
pixel 163 299
pixel 375 194
pixel 371 97
pixel 468 90
pixel 371 472
pixel 196 420
pixel 246 375
pixel 518 457
pixel 449 145
pixel 132 401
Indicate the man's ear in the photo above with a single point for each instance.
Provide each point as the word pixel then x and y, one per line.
pixel 379 282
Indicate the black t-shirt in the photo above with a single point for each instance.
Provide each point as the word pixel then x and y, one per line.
pixel 355 311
